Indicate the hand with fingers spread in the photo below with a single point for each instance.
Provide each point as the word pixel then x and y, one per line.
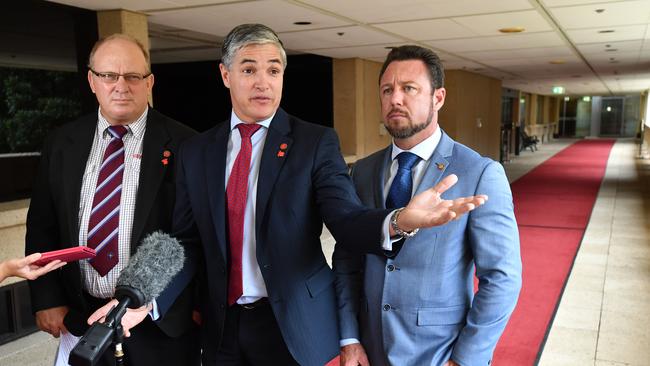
pixel 428 209
pixel 25 268
pixel 131 318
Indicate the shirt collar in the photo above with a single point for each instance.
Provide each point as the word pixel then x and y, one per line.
pixel 424 149
pixel 234 121
pixel 136 127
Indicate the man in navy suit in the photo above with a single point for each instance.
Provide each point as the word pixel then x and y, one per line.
pixel 253 194
pixel 415 304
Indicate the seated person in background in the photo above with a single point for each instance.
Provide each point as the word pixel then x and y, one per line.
pixel 24 267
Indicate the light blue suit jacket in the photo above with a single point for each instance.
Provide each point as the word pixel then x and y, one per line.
pixel 419 308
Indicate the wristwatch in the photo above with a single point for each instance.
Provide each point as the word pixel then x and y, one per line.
pixel 398 231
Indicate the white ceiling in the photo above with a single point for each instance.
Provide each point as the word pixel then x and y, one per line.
pixel 564 43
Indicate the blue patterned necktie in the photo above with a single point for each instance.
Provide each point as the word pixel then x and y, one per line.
pixel 401 189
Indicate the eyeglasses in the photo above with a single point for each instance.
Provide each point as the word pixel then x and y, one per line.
pixel 112 77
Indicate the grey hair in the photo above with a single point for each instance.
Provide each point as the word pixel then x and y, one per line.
pixel 248 34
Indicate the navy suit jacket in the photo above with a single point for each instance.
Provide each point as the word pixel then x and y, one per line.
pixel 296 193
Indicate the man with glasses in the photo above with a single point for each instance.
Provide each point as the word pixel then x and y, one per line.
pixel 106 181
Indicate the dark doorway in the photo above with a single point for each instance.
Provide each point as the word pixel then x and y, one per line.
pixel 611 112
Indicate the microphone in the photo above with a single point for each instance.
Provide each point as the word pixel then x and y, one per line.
pixel 158 259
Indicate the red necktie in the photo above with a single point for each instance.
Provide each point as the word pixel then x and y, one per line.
pixel 236 193
pixel 103 226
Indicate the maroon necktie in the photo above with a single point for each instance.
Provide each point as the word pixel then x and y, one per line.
pixel 236 192
pixel 103 226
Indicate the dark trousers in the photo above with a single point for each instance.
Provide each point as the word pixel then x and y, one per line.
pixel 251 337
pixel 148 345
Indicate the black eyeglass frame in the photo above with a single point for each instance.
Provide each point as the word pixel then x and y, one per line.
pixel 130 77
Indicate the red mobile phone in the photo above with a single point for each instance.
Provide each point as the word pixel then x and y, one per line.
pixel 66 255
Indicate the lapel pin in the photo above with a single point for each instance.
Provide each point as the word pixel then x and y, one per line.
pixel 440 166
pixel 283 146
pixel 280 154
pixel 166 155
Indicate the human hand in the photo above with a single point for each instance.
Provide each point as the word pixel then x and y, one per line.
pixel 353 355
pixel 24 267
pixel 131 318
pixel 51 320
pixel 428 209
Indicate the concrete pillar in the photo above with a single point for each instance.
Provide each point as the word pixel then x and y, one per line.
pixel 357 109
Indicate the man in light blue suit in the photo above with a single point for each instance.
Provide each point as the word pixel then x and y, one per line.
pixel 416 304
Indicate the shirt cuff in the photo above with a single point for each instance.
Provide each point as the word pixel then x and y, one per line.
pixel 154 314
pixel 348 341
pixel 386 240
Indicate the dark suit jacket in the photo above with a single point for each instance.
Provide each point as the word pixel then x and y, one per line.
pixel 296 193
pixel 52 220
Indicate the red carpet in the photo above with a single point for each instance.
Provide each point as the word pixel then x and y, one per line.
pixel 553 203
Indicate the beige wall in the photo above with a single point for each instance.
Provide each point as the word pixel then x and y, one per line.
pixel 473 98
pixel 357 111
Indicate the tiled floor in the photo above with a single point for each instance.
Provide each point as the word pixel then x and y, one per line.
pixel 604 315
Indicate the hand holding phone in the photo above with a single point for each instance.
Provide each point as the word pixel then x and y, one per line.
pixel 66 255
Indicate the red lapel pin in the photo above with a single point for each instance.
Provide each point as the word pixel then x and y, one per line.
pixel 283 148
pixel 166 155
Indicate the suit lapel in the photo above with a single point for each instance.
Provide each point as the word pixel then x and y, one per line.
pixel 75 157
pixel 380 170
pixel 440 160
pixel 272 161
pixel 215 173
pixel 152 172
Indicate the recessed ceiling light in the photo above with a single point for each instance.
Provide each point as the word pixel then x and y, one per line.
pixel 512 30
pixel 599 10
pixel 606 31
pixel 302 23
pixel 556 62
pixel 611 50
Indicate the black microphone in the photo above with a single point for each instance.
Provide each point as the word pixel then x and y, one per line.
pixel 158 259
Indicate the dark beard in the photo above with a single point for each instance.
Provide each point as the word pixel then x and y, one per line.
pixel 410 130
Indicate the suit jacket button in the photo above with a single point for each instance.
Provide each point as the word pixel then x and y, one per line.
pixel 386 307
pixel 390 268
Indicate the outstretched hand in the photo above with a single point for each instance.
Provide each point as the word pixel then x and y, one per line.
pixel 131 318
pixel 24 267
pixel 428 209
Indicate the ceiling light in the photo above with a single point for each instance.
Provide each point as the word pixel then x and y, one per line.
pixel 390 47
pixel 556 62
pixel 606 31
pixel 599 10
pixel 558 90
pixel 512 30
pixel 611 50
pixel 302 23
